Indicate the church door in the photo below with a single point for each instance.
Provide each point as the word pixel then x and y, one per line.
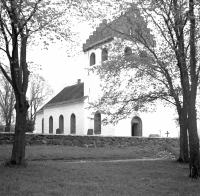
pixel 136 126
pixel 134 129
pixel 97 123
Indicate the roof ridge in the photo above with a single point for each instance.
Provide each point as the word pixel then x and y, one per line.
pixel 68 94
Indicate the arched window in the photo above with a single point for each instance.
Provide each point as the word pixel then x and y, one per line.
pixel 61 124
pixel 127 51
pixel 43 125
pixel 92 59
pixel 97 123
pixel 73 124
pixel 104 55
pixel 51 125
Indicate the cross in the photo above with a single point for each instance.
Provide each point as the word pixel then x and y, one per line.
pixel 167 133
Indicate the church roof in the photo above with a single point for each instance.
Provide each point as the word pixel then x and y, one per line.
pixel 69 94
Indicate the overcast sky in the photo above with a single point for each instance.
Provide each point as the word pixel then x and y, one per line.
pixel 57 68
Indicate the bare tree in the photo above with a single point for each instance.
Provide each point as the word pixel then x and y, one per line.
pixel 40 91
pixel 7 103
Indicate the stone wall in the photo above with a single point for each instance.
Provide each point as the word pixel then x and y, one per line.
pixel 87 141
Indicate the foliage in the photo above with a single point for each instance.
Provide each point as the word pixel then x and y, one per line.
pixel 168 70
pixel 134 82
pixel 39 91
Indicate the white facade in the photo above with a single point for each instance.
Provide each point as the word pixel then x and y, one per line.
pixel 66 111
pixel 84 119
pixel 152 123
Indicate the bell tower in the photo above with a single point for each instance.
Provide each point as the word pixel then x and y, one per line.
pixel 94 53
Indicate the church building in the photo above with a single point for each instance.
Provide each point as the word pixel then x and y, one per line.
pixel 68 113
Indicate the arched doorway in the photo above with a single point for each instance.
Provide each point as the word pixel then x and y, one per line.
pixel 73 124
pixel 97 123
pixel 136 126
pixel 61 124
pixel 51 125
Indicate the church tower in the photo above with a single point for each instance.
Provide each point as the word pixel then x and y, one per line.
pixel 96 50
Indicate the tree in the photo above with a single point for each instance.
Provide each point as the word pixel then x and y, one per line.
pixel 150 67
pixel 170 70
pixel 180 19
pixel 22 24
pixel 40 91
pixel 7 102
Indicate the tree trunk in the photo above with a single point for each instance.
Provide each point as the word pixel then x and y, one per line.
pixel 183 156
pixel 183 121
pixel 193 135
pixel 193 141
pixel 18 151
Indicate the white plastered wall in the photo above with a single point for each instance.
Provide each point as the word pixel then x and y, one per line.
pixel 106 130
pixel 91 81
pixel 38 122
pixel 157 122
pixel 93 91
pixel 66 111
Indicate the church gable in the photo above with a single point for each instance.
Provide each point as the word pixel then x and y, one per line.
pixel 127 26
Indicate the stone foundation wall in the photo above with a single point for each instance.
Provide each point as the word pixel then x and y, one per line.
pixel 87 141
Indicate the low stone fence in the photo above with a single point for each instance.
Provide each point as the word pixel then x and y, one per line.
pixel 87 141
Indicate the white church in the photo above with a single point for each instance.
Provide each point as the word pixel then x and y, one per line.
pixel 68 113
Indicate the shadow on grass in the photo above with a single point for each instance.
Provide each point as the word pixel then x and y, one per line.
pixel 60 178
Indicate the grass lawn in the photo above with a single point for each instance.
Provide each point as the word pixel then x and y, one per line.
pixel 56 171
pixel 51 152
pixel 59 178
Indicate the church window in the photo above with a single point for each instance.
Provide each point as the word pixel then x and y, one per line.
pixel 61 124
pixel 104 55
pixel 51 125
pixel 43 125
pixel 127 51
pixel 97 123
pixel 73 124
pixel 92 59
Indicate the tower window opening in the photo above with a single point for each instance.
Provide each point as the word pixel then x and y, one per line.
pixel 104 55
pixel 92 59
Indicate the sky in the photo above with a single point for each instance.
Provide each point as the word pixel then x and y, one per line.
pixel 57 67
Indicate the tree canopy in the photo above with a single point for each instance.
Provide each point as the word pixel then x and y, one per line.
pixel 168 70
